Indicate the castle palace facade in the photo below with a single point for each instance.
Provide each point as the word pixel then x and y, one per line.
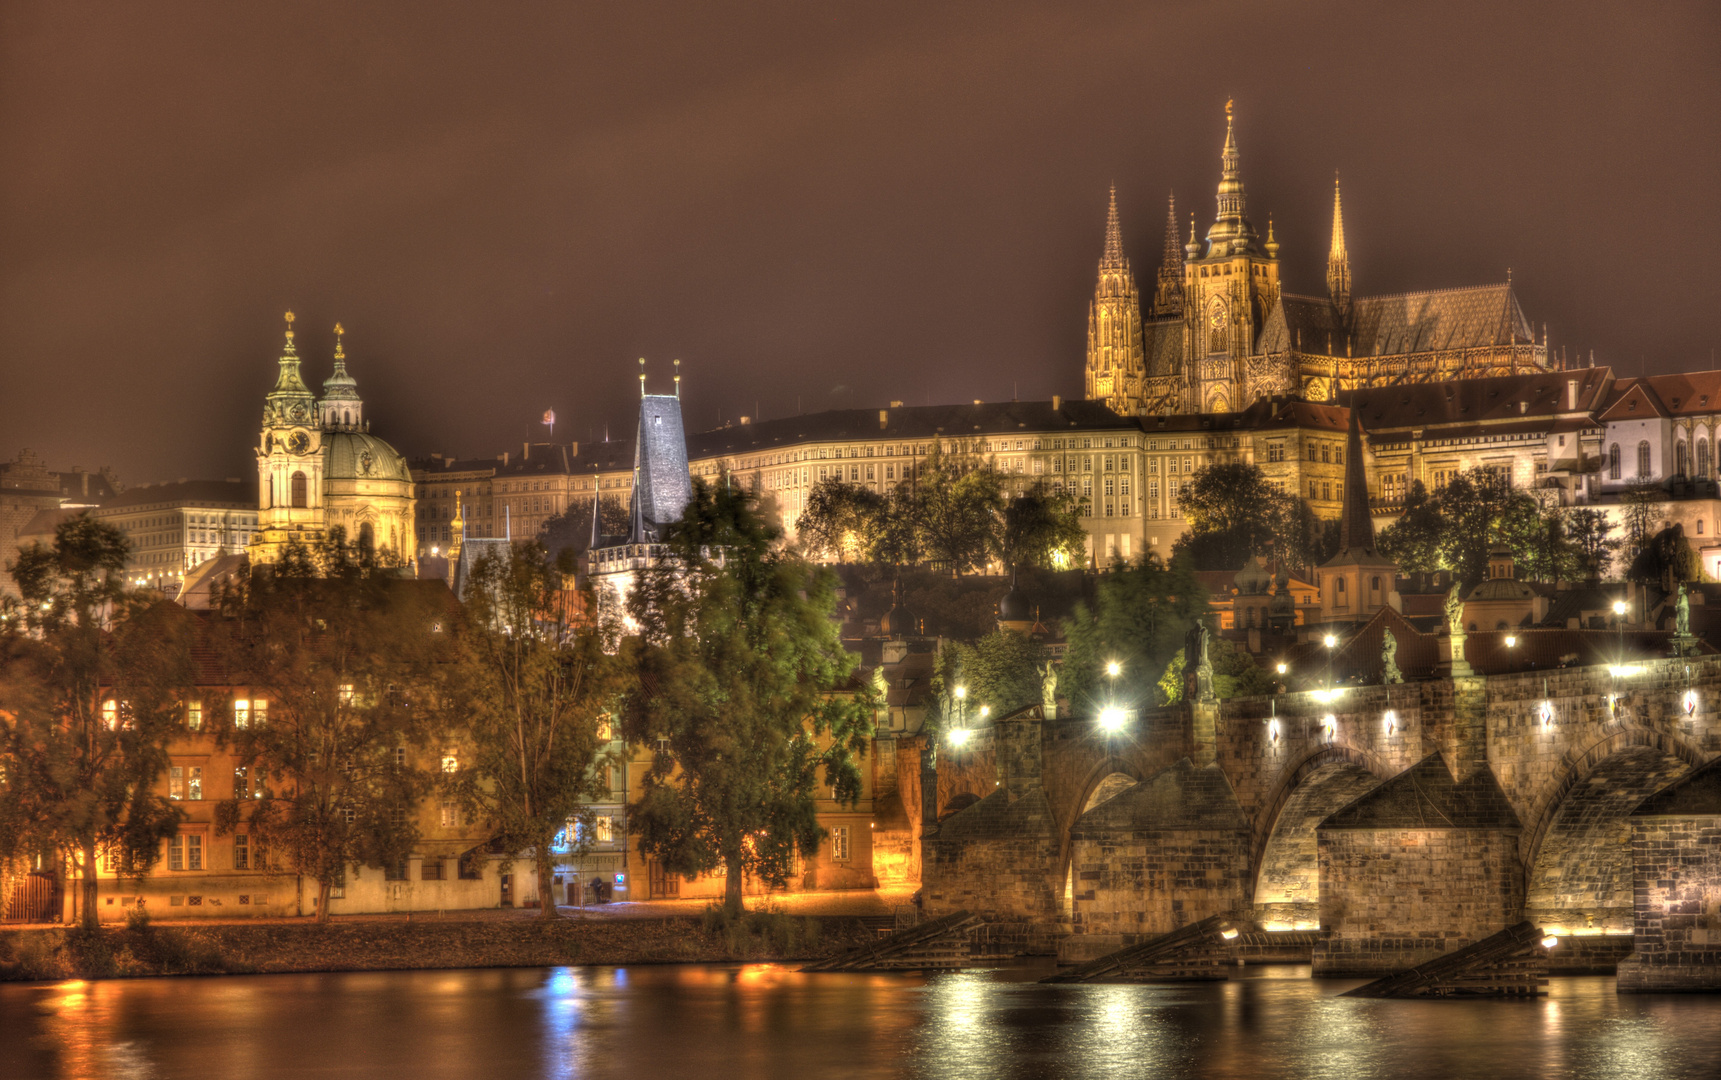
pixel 1220 333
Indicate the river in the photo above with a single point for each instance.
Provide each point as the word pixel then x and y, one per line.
pixel 763 1021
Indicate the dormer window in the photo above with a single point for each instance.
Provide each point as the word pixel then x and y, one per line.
pixel 1631 406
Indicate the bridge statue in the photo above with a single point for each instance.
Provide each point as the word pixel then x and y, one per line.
pixel 1049 690
pixel 1682 616
pixel 1389 672
pixel 1197 664
pixel 1455 610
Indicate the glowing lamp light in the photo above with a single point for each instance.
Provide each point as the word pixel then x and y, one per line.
pixel 1329 695
pixel 1329 724
pixel 1228 935
pixel 1545 713
pixel 961 692
pixel 1391 719
pixel 1511 641
pixel 433 550
pixel 1620 671
pixel 1550 941
pixel 1112 719
pixel 1620 607
pixel 1113 668
pixel 959 736
pixel 1272 731
pixel 1690 702
pixel 1284 668
pixel 985 711
pixel 1330 640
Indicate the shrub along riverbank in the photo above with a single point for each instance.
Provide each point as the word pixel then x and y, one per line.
pixel 141 948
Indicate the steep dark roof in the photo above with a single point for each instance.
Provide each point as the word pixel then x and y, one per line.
pixel 662 483
pixel 1532 400
pixel 1162 344
pixel 1425 796
pixel 185 491
pixel 905 422
pixel 1443 319
pixel 1679 394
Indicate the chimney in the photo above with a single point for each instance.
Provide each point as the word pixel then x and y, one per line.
pixel 1571 395
pixel 503 458
pixel 883 419
pixel 525 451
pixel 1057 402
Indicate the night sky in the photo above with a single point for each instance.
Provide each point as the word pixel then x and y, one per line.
pixel 813 205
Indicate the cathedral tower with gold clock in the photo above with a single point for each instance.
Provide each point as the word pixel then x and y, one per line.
pixel 319 468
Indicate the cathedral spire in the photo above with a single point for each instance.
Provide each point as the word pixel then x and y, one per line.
pixel 289 381
pixel 1114 234
pixel 1356 528
pixel 1231 233
pixel 1115 361
pixel 1168 297
pixel 1338 259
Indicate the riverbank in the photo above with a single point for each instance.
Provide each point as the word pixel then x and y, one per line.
pixel 141 948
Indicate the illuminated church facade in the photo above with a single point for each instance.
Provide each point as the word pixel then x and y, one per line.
pixel 319 467
pixel 1219 332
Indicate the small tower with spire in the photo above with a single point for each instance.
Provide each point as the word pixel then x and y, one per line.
pixel 1168 297
pixel 1116 362
pixel 342 409
pixel 1358 581
pixel 1338 260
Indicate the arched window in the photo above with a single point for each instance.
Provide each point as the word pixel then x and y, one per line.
pixel 1643 460
pixel 1217 326
pixel 346 417
pixel 1680 460
pixel 1374 584
pixel 367 537
pixel 1613 462
pixel 300 497
pixel 1703 459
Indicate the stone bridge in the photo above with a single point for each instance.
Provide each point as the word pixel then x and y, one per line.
pixel 1402 821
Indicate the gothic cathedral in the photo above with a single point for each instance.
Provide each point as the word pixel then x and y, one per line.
pixel 1220 334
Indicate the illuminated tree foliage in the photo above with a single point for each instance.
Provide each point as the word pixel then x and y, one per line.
pixel 1235 513
pixel 1138 618
pixel 528 704
pixel 92 682
pixel 742 675
pixel 343 652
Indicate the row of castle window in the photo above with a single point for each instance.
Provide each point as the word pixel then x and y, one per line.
pixel 1645 460
pixel 1327 491
pixel 1329 453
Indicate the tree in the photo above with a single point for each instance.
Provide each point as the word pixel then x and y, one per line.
pixel 571 530
pixel 1235 674
pixel 88 701
pixel 1638 509
pixel 1040 528
pixel 1230 508
pixel 1587 531
pixel 1413 541
pixel 957 503
pixel 1666 559
pixel 530 693
pixel 338 654
pixel 1000 671
pixel 842 521
pixel 740 668
pixel 1138 618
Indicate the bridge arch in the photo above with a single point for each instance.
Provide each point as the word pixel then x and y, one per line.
pixel 1110 776
pixel 1577 843
pixel 1284 863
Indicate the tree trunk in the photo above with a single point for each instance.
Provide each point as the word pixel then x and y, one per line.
pixel 546 884
pixel 88 915
pixel 323 889
pixel 732 886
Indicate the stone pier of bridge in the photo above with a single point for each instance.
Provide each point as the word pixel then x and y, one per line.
pixel 1401 821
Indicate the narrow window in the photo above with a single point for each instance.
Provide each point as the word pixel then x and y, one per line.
pixel 241 852
pixel 1613 462
pixel 300 498
pixel 840 844
pixel 1643 460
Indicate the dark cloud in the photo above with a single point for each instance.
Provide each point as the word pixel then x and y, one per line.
pixel 505 204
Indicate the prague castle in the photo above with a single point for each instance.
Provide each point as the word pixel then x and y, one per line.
pixel 1219 332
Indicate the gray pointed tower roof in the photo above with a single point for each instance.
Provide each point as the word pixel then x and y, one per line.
pixel 662 485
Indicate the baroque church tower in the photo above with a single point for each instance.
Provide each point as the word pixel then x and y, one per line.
pixel 319 468
pixel 1116 365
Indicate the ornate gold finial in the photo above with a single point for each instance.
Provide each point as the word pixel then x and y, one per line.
pixel 1192 226
pixel 289 326
pixel 340 353
pixel 1227 107
pixel 642 376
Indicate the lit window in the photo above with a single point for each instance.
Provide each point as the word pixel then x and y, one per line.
pixel 110 714
pixel 450 761
pixel 241 713
pixel 194 716
pixel 840 844
pixel 241 852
